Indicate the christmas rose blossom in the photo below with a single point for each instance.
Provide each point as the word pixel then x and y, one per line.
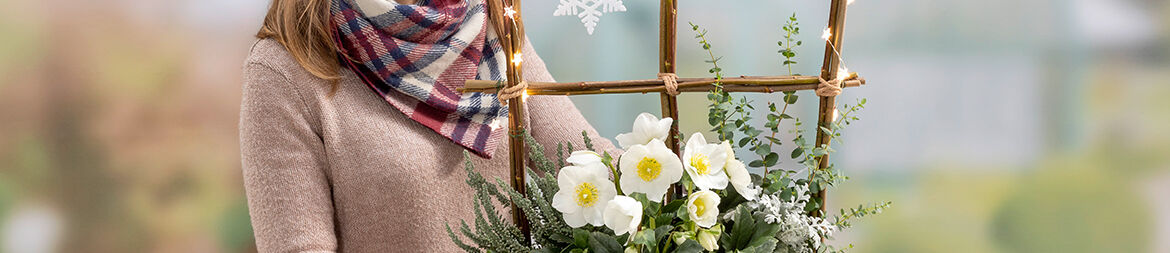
pixel 646 127
pixel 584 192
pixel 649 169
pixel 704 163
pixel 703 208
pixel 584 157
pixel 623 215
pixel 740 179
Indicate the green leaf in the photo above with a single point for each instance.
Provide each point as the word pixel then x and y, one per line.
pixel 681 213
pixel 602 243
pixel 796 152
pixel 764 150
pixel 742 230
pixel 673 206
pixel 690 246
pixel 771 159
pixel 648 206
pixel 819 152
pixel 662 231
pixel 763 245
pixel 580 238
pixel 756 164
pixel 644 237
pixel 664 219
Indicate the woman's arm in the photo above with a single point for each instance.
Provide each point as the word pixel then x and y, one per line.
pixel 554 119
pixel 289 196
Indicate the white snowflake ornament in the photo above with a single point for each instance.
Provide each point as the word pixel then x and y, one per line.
pixel 588 11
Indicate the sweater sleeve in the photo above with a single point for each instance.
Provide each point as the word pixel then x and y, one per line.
pixel 554 119
pixel 289 196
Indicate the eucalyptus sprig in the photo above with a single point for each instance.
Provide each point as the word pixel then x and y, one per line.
pixel 721 108
pixel 791 30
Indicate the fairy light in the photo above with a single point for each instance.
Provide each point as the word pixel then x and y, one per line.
pixel 508 11
pixel 850 2
pixel 827 34
pixel 495 124
pixel 842 73
pixel 517 58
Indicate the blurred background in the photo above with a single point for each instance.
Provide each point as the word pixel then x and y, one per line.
pixel 993 126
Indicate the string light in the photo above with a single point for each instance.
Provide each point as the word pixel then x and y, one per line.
pixel 850 2
pixel 842 71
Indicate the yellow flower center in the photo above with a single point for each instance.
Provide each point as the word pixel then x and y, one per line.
pixel 700 207
pixel 701 163
pixel 586 194
pixel 649 168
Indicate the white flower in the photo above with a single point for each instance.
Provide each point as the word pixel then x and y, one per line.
pixel 646 127
pixel 584 192
pixel 738 174
pixel 740 179
pixel 709 239
pixel 583 157
pixel 704 163
pixel 649 169
pixel 703 208
pixel 623 215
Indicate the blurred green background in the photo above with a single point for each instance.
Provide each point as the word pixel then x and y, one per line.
pixel 993 126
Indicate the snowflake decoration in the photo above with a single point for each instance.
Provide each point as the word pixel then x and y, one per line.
pixel 588 11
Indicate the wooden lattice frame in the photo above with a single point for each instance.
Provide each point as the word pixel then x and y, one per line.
pixel 505 16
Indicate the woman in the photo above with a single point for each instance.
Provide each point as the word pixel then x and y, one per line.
pixel 341 150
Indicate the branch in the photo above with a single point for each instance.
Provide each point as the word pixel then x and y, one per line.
pixel 766 84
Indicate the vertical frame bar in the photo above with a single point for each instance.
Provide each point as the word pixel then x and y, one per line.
pixel 668 32
pixel 828 106
pixel 511 35
pixel 667 43
pixel 516 116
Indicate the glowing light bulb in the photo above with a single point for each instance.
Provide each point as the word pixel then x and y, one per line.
pixel 495 124
pixel 508 11
pixel 524 96
pixel 842 73
pixel 850 2
pixel 517 58
pixel 826 34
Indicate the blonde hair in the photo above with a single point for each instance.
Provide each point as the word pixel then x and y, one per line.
pixel 303 28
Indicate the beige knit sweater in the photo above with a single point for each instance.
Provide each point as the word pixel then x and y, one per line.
pixel 348 172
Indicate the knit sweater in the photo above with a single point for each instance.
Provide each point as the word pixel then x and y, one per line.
pixel 346 171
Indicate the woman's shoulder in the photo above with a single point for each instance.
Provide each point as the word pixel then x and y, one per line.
pixel 270 65
pixel 267 53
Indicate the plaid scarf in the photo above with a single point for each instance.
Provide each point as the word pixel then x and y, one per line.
pixel 415 56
